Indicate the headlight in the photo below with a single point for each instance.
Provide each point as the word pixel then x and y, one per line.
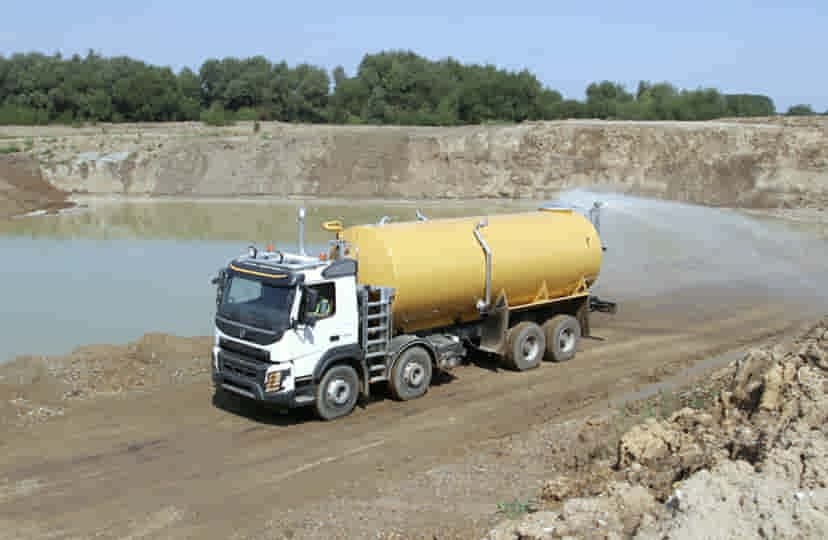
pixel 274 379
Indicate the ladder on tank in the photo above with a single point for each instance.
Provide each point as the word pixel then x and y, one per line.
pixel 376 324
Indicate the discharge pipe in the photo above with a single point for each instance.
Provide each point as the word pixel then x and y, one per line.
pixel 595 218
pixel 483 304
pixel 595 215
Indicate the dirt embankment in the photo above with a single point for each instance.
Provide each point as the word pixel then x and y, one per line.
pixel 751 464
pixel 762 163
pixel 35 389
pixel 23 188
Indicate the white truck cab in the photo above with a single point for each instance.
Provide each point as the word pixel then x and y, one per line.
pixel 281 319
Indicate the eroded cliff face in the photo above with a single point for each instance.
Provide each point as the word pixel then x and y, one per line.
pixel 23 189
pixel 748 164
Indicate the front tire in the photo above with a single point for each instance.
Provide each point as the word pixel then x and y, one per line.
pixel 337 393
pixel 525 346
pixel 562 335
pixel 411 374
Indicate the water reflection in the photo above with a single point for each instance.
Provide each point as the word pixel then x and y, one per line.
pixel 262 221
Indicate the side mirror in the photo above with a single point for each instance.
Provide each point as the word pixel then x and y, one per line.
pixel 219 282
pixel 219 279
pixel 311 297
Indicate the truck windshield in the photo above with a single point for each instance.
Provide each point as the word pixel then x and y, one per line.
pixel 249 301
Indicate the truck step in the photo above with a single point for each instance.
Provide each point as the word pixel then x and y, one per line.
pixel 380 328
pixel 378 378
pixel 377 367
pixel 375 354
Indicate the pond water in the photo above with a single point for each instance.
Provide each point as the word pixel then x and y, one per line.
pixel 117 269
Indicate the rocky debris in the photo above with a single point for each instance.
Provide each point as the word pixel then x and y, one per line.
pixel 732 500
pixel 616 513
pixel 752 464
pixel 591 482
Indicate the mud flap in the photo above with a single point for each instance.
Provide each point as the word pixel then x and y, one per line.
pixel 493 329
pixel 583 319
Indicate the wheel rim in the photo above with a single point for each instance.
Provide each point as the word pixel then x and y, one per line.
pixel 566 339
pixel 413 374
pixel 338 392
pixel 530 348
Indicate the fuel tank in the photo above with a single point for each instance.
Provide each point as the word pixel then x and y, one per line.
pixel 438 267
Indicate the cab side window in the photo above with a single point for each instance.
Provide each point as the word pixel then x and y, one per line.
pixel 326 304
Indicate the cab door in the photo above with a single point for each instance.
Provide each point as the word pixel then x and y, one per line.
pixel 334 322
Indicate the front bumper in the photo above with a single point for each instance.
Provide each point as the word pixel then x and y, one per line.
pixel 246 377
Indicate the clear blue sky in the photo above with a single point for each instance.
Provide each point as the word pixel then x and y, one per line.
pixel 776 48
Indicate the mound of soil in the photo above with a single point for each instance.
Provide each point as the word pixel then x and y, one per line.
pixel 23 188
pixel 35 389
pixel 753 464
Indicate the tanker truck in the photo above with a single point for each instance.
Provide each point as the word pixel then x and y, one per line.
pixel 394 302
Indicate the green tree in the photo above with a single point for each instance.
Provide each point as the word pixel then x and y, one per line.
pixel 388 87
pixel 800 110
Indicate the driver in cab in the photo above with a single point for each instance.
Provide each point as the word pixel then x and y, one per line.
pixel 324 305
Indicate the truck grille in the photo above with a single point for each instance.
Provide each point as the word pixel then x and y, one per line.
pixel 241 367
pixel 240 370
pixel 249 353
pixel 254 335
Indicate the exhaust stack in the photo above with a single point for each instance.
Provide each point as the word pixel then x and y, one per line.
pixel 301 220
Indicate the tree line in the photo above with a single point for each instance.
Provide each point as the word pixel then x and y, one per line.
pixel 389 87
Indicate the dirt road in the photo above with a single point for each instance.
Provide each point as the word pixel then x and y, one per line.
pixel 167 463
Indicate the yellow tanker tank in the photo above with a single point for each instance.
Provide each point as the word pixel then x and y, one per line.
pixel 438 267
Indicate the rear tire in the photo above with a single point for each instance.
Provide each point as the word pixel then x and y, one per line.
pixel 337 393
pixel 562 332
pixel 411 374
pixel 524 346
